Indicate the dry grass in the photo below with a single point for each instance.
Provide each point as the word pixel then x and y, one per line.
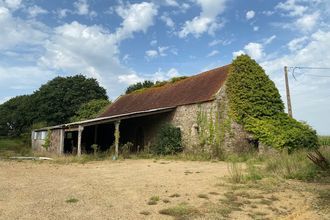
pixel 180 211
pixel 124 188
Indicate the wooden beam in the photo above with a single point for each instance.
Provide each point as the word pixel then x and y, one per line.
pixel 62 134
pixel 117 136
pixel 80 130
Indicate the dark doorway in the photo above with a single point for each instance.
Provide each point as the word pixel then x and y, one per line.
pixel 139 140
pixel 71 142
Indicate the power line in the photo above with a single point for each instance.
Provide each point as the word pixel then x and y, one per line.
pixel 309 68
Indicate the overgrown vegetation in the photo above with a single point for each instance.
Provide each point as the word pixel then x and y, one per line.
pixel 141 86
pixel 90 109
pixel 287 166
pixel 255 102
pixel 46 145
pixel 324 140
pixel 15 146
pixel 168 140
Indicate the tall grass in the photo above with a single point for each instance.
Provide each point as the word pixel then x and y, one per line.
pixel 13 146
pixel 283 165
pixel 324 140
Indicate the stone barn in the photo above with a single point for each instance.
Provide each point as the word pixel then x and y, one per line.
pixel 196 105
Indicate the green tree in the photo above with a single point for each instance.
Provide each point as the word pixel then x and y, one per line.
pixel 15 116
pixel 59 99
pixel 255 102
pixel 139 85
pixel 54 103
pixel 90 109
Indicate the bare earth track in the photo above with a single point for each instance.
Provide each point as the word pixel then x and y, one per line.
pixel 122 189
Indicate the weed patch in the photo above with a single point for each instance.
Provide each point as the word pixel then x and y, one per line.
pixel 153 200
pixel 181 211
pixel 71 200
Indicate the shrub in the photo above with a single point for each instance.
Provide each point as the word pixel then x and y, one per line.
pixel 235 173
pixel 126 149
pixel 168 140
pixel 255 102
pixel 283 132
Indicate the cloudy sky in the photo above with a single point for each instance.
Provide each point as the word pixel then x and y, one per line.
pixel 123 42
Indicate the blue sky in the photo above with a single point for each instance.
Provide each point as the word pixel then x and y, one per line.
pixel 123 42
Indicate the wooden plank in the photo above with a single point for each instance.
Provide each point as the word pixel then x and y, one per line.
pixel 80 130
pixel 117 136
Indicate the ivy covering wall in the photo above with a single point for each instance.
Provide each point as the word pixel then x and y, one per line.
pixel 255 102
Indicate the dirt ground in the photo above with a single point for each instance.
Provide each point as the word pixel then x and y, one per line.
pixel 122 189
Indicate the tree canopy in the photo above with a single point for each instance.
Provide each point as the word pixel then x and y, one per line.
pixel 53 103
pixel 90 109
pixel 255 102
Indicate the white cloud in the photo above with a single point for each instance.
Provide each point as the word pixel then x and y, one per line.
pixel 255 50
pixel 291 7
pixel 307 22
pixel 213 53
pixel 268 13
pixel 219 41
pixel 161 51
pixel 82 8
pixel 137 17
pixel 250 14
pixel 297 43
pixel 207 21
pixel 255 28
pixel 130 79
pixel 151 53
pixel 13 4
pixel 25 32
pixel 167 20
pixel 62 13
pixel 237 53
pixel 161 75
pixel 153 42
pixel 97 58
pixel 35 10
pixel 270 39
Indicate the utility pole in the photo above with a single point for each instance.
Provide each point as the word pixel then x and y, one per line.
pixel 287 91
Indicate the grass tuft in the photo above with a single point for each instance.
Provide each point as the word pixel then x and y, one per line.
pixel 71 200
pixel 153 200
pixel 180 211
pixel 145 213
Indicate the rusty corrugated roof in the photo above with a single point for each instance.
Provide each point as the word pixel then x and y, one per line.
pixel 194 89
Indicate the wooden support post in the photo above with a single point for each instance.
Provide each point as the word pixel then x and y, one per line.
pixel 117 136
pixel 80 130
pixel 62 134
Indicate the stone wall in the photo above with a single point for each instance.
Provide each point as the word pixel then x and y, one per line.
pixel 207 127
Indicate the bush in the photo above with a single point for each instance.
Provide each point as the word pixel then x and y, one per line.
pixel 255 102
pixel 283 132
pixel 168 140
